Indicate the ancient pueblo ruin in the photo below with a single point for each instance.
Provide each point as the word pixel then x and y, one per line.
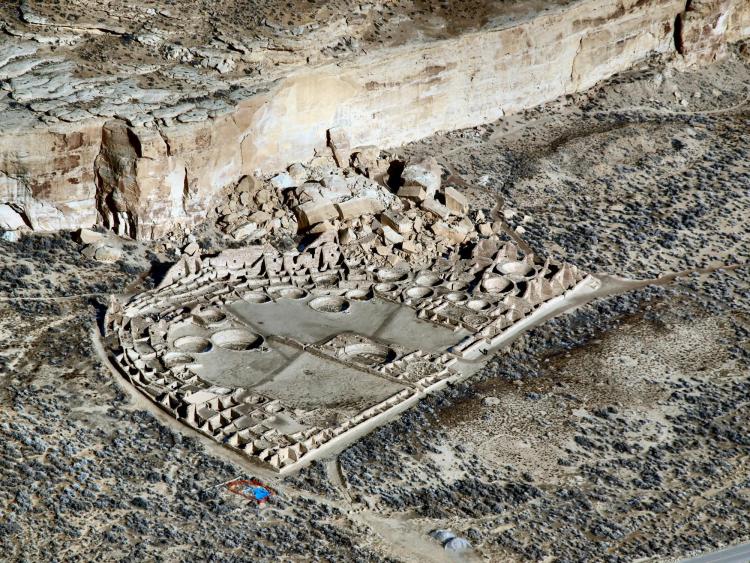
pixel 279 354
pixel 393 280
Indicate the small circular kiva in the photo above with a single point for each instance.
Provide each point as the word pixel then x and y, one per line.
pixel 368 353
pixel 390 275
pixel 497 284
pixel 519 268
pixel 456 297
pixel 237 339
pixel 256 297
pixel 428 279
pixel 386 287
pixel 478 305
pixel 192 344
pixel 418 292
pixel 292 293
pixel 211 316
pixel 326 280
pixel 358 294
pixel 330 304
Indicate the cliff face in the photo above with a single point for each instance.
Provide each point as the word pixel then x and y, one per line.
pixel 47 176
pixel 706 27
pixel 142 176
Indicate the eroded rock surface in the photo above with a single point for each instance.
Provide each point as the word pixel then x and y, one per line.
pixel 115 114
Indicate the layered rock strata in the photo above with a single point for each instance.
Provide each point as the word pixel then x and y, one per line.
pixel 78 149
pixel 706 27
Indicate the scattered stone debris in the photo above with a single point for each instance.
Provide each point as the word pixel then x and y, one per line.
pixel 356 207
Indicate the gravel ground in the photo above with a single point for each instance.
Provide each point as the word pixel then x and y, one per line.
pixel 613 433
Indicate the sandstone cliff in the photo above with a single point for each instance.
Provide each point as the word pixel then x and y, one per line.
pixel 142 159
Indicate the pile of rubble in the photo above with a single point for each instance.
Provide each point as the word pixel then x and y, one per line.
pixel 363 199
pixel 374 206
pixel 102 247
pixel 253 210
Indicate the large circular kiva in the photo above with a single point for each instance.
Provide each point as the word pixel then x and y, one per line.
pixel 330 304
pixel 367 353
pixel 192 344
pixel 237 339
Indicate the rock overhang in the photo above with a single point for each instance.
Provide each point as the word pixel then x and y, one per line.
pixel 180 147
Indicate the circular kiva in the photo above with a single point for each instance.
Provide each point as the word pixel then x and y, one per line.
pixel 358 294
pixel 478 305
pixel 497 284
pixel 326 280
pixel 256 297
pixel 237 339
pixel 391 275
pixel 419 292
pixel 456 297
pixel 174 359
pixel 428 279
pixel 192 344
pixel 291 293
pixel 385 287
pixel 329 304
pixel 210 316
pixel 367 353
pixel 518 268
